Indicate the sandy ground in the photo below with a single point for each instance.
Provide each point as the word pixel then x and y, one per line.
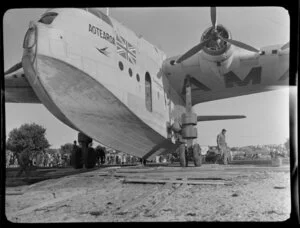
pixel 247 195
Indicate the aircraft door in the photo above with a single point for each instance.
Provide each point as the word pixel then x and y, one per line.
pixel 148 92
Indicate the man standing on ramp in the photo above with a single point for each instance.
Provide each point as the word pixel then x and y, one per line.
pixel 222 146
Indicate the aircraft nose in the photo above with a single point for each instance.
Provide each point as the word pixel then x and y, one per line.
pixel 30 40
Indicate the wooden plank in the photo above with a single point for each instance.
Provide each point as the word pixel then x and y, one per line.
pixel 177 177
pixel 14 193
pixel 160 181
pixel 198 176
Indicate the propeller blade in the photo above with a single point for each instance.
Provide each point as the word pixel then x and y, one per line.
pixel 192 51
pixel 287 45
pixel 239 44
pixel 213 16
pixel 14 68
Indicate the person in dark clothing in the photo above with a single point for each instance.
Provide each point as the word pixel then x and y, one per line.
pixel 76 157
pixel 24 163
pixel 75 147
pixel 90 161
pixel 100 155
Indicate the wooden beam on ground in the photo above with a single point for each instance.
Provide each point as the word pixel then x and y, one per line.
pixel 176 175
pixel 160 181
pixel 14 193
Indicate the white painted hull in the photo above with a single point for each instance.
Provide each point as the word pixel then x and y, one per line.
pixel 93 109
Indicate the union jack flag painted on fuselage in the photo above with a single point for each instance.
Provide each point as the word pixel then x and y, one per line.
pixel 126 50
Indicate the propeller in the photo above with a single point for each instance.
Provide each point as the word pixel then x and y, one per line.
pixel 192 51
pixel 239 44
pixel 213 36
pixel 14 68
pixel 213 16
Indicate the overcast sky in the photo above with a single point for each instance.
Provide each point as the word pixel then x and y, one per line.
pixel 175 30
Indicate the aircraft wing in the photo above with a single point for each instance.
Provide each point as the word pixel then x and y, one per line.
pixel 18 90
pixel 211 118
pixel 243 73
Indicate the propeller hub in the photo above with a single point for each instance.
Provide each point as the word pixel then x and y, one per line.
pixel 216 46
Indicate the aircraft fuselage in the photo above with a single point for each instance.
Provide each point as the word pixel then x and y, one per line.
pixel 102 79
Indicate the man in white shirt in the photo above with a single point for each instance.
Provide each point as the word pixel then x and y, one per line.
pixel 222 146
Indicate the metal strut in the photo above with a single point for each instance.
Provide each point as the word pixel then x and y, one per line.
pixel 189 130
pixel 189 119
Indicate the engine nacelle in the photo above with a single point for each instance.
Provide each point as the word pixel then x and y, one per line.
pixel 216 46
pixel 216 49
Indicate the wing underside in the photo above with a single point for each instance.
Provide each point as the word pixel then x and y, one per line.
pixel 222 117
pixel 18 90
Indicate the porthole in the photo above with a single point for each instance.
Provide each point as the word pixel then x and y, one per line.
pixel 130 72
pixel 138 77
pixel 121 66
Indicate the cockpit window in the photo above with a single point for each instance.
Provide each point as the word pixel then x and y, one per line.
pixel 48 18
pixel 99 14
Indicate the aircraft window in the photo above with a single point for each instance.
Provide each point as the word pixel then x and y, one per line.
pixel 99 14
pixel 48 18
pixel 121 66
pixel 130 72
pixel 138 77
pixel 148 92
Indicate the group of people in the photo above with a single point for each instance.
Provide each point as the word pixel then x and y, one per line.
pixel 99 151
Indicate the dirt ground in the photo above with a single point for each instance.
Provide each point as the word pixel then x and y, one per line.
pixel 237 193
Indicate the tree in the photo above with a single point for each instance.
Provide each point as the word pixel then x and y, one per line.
pixel 29 138
pixel 66 148
pixel 234 148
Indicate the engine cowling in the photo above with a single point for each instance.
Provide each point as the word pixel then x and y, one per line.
pixel 216 46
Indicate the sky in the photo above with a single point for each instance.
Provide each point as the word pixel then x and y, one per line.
pixel 176 30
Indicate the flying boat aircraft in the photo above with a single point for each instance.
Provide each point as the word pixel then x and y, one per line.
pixel 111 85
